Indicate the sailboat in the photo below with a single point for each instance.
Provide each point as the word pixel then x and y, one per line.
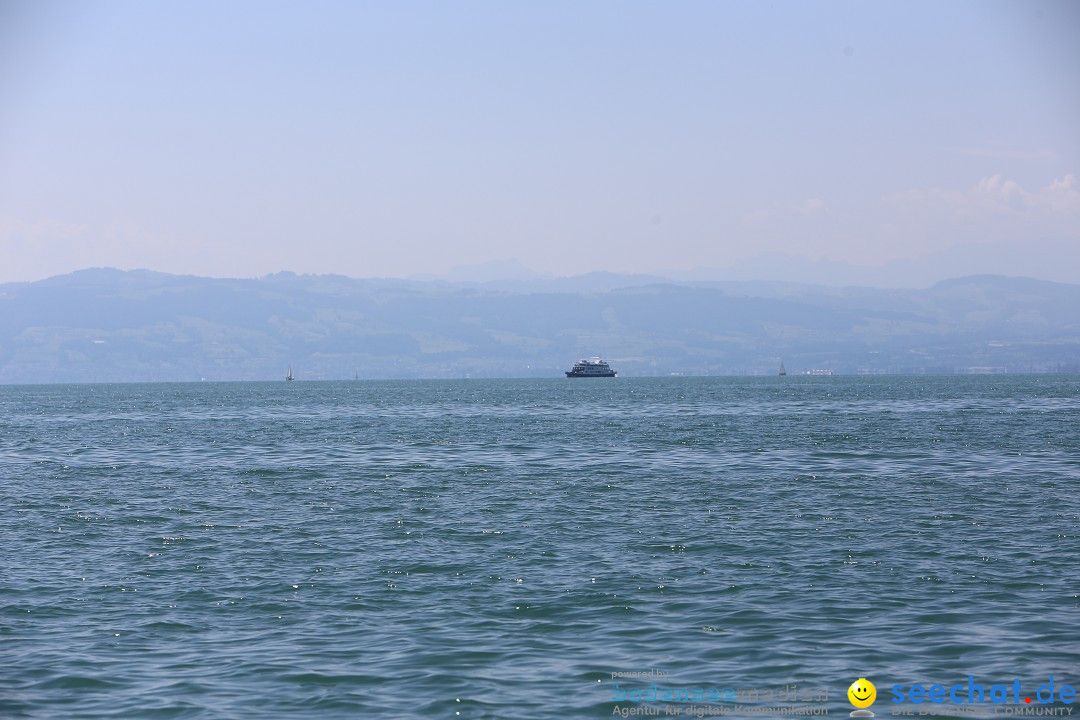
pixel 289 377
pixel 783 372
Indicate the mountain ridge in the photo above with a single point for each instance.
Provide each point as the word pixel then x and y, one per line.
pixel 108 325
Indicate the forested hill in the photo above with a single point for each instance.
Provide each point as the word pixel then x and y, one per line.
pixel 107 325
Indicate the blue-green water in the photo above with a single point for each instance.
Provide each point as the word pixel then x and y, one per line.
pixel 497 549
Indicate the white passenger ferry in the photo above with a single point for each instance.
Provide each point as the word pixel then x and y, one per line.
pixel 590 367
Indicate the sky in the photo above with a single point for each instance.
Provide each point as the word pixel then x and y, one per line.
pixel 879 143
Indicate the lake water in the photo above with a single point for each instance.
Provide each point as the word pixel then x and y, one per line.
pixel 500 549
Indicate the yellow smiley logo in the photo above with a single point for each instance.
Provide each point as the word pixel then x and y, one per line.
pixel 862 693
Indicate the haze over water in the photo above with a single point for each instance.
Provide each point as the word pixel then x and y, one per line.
pixel 493 549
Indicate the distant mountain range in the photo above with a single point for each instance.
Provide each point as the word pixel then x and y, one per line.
pixel 106 325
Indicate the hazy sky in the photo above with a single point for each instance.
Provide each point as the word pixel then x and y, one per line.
pixel 880 142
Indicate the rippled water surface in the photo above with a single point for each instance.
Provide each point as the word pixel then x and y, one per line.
pixel 497 549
